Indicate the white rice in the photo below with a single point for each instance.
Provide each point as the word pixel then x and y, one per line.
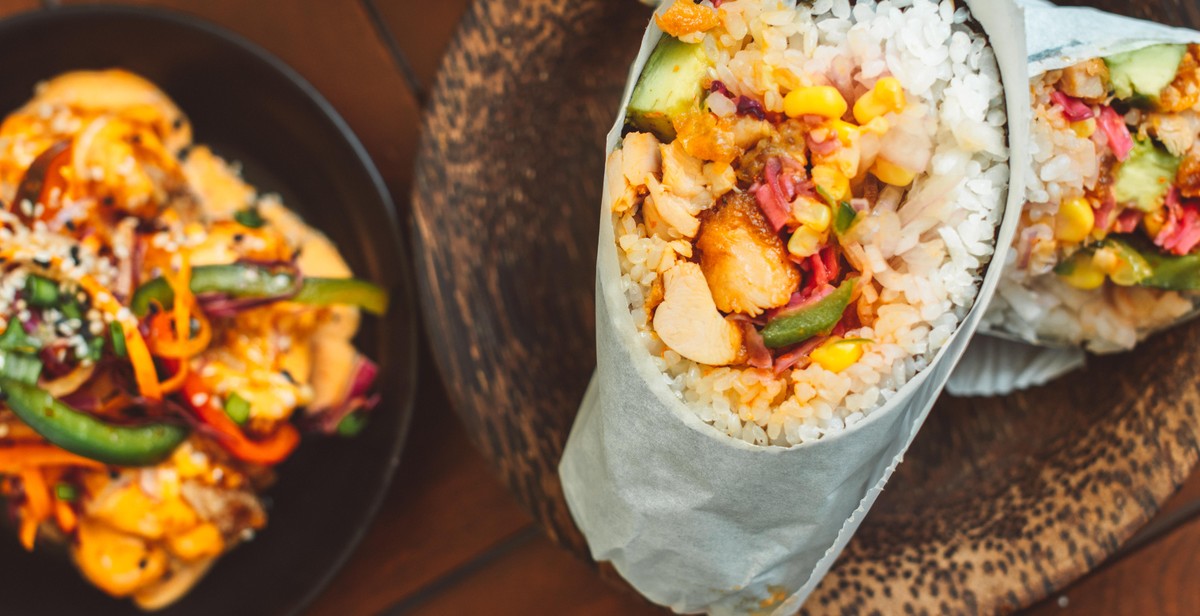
pixel 925 254
pixel 1034 304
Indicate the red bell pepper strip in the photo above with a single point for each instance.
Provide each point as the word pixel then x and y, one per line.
pixel 269 451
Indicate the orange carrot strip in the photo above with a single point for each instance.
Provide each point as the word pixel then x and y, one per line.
pixel 65 516
pixel 29 527
pixel 32 455
pixel 36 493
pixel 139 354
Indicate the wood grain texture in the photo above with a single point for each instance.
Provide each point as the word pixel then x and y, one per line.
pixel 422 31
pixel 511 147
pixel 535 577
pixel 999 503
pixel 333 45
pixel 1160 581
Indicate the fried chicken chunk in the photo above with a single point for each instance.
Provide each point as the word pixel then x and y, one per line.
pixel 1086 80
pixel 745 263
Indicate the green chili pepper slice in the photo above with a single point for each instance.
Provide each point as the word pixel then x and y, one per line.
pixel 87 436
pixel 241 280
pixel 804 323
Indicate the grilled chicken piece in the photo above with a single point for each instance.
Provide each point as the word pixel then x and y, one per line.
pixel 1176 131
pixel 663 211
pixel 1188 179
pixel 745 263
pixel 640 157
pixel 1184 92
pixel 687 321
pixel 1086 80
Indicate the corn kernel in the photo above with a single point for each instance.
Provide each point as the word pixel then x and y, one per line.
pixel 824 101
pixel 1084 128
pixel 805 242
pixel 886 97
pixel 846 132
pixel 203 541
pixel 1106 260
pixel 812 214
pixel 838 354
pixel 1153 222
pixel 891 173
pixel 1075 220
pixel 832 181
pixel 1085 275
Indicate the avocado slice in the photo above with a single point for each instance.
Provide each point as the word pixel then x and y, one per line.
pixel 1146 176
pixel 670 85
pixel 1145 72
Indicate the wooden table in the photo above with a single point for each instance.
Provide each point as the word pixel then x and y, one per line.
pixel 449 539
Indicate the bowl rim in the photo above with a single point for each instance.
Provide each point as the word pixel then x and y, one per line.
pixel 401 290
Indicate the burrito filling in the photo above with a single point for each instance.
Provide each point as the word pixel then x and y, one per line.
pixel 804 200
pixel 1107 251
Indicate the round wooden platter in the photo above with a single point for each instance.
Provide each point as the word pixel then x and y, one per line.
pixel 1000 501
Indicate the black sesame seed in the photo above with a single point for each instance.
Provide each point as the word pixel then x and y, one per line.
pixel 108 201
pixel 288 375
pixel 237 237
pixel 178 123
pixel 184 152
pixel 41 262
pixel 70 225
pixel 75 254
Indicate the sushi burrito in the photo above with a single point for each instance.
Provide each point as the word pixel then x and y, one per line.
pixel 801 204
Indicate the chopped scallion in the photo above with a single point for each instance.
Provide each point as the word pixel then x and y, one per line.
pixel 238 408
pixel 41 292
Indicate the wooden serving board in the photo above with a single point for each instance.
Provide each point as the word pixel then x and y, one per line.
pixel 1000 502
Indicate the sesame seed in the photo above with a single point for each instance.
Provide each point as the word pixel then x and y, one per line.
pixel 199 399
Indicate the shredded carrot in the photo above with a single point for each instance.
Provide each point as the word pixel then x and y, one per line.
pixel 65 516
pixel 18 458
pixel 143 364
pixel 181 345
pixel 139 354
pixel 36 493
pixel 29 527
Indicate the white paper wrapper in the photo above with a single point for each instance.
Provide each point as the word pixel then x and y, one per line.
pixel 1056 37
pixel 699 521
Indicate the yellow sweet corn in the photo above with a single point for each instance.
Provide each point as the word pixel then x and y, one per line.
pixel 831 180
pixel 1075 220
pixel 886 97
pixel 1084 128
pixel 891 173
pixel 837 354
pixel 1153 222
pixel 812 214
pixel 1085 275
pixel 824 101
pixel 846 132
pixel 805 242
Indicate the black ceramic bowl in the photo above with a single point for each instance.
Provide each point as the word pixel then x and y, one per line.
pixel 252 108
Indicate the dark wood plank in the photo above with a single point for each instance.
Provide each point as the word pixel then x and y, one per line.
pixel 9 7
pixel 445 508
pixel 422 30
pixel 536 577
pixel 1158 579
pixel 333 45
